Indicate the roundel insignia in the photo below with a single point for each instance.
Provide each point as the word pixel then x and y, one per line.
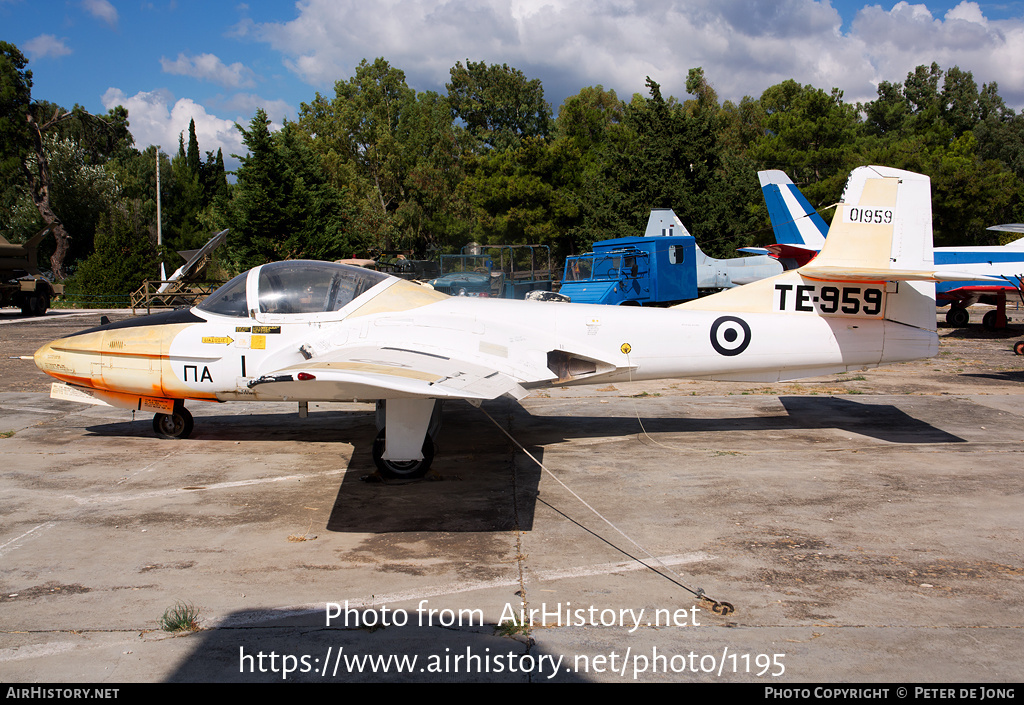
pixel 730 335
pixel 625 348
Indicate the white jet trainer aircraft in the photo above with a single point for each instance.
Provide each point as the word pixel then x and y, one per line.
pixel 316 331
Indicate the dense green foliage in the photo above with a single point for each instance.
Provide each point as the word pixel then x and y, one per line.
pixel 380 166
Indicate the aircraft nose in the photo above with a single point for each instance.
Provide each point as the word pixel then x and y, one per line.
pixel 40 354
pixel 47 359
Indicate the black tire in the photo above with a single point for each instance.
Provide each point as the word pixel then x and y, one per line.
pixel 175 425
pixel 958 317
pixel 1018 347
pixel 989 320
pixel 404 470
pixel 33 304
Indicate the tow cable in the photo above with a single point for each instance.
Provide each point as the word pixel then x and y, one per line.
pixel 719 607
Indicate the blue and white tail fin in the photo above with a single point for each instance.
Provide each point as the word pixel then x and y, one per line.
pixel 794 221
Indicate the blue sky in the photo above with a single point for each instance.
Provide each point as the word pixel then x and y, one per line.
pixel 169 62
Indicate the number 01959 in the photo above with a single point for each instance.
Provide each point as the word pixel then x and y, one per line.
pixel 869 216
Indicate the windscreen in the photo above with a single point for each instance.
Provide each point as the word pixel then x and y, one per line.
pixel 229 300
pixel 304 286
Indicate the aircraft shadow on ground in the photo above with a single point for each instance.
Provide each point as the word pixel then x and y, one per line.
pixel 1007 376
pixel 478 483
pixel 977 332
pixel 325 426
pixel 473 487
pixel 803 413
pixel 463 423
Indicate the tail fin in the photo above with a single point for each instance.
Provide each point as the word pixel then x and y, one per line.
pixel 881 236
pixel 882 231
pixel 794 221
pixel 664 221
pixel 883 222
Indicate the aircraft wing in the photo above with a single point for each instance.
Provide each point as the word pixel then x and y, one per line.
pixel 975 293
pixel 377 372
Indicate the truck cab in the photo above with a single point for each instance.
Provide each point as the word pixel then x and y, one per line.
pixel 635 271
pixel 663 267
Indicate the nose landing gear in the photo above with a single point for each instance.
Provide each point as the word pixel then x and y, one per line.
pixel 177 424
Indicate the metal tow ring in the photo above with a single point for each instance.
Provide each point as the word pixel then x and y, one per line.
pixel 719 608
pixel 722 608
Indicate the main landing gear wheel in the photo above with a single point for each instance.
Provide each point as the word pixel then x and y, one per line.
pixel 1018 347
pixel 402 469
pixel 178 424
pixel 958 316
pixel 990 320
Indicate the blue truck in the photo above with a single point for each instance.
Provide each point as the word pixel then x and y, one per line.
pixel 662 267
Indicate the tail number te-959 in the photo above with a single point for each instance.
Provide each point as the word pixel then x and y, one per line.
pixel 852 300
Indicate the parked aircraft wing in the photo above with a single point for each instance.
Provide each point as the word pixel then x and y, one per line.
pixel 375 372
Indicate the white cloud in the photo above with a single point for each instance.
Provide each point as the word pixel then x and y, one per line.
pixel 155 117
pixel 908 36
pixel 244 105
pixel 969 11
pixel 46 46
pixel 101 9
pixel 209 67
pixel 744 47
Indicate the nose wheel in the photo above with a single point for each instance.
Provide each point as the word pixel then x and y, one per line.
pixel 177 424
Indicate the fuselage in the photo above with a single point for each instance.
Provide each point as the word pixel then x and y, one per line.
pixel 222 352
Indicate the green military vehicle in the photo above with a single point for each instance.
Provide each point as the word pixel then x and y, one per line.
pixel 21 282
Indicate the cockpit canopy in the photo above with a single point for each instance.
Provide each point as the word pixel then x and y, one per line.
pixel 293 287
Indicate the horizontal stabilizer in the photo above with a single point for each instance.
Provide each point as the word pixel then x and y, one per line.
pixel 1008 228
pixel 866 274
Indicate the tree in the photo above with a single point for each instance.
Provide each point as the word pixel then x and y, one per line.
pixel 395 149
pixel 672 163
pixel 15 98
pixel 524 195
pixel 81 192
pixel 23 125
pixel 498 104
pixel 361 124
pixel 122 258
pixel 284 208
pixel 215 180
pixel 886 115
pixel 431 215
pixel 587 117
pixel 193 161
pixel 959 104
pixel 811 135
